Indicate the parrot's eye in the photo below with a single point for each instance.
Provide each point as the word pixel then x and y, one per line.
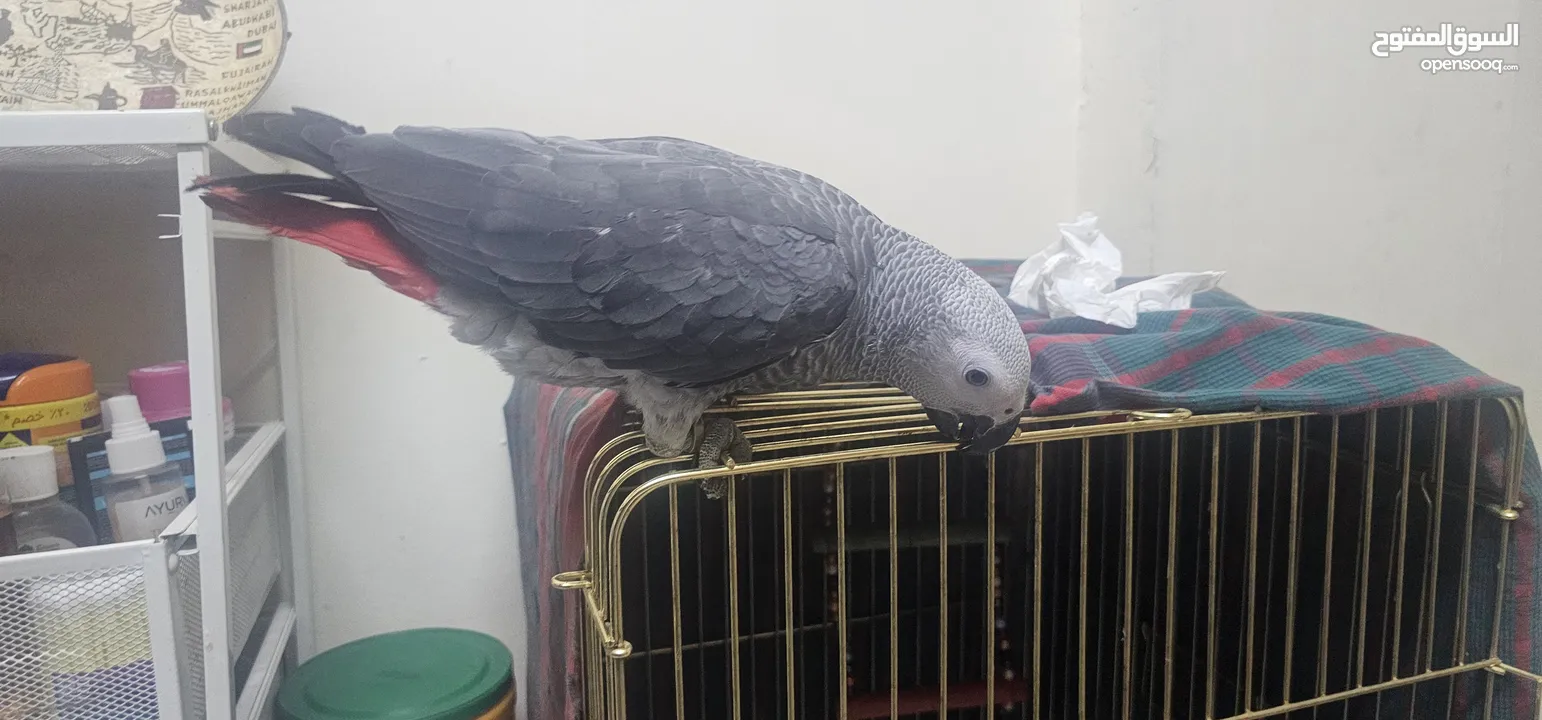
pixel 977 377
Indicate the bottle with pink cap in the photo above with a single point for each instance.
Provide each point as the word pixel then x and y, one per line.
pixel 165 393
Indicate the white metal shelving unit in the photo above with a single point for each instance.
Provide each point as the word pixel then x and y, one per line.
pixel 216 604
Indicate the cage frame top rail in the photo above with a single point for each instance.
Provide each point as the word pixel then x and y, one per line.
pixel 786 419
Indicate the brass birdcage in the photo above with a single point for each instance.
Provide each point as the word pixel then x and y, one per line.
pixel 1103 565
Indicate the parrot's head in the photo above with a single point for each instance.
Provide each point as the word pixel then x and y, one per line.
pixel 961 353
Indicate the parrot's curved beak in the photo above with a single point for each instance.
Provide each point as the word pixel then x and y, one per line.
pixel 975 434
pixel 946 422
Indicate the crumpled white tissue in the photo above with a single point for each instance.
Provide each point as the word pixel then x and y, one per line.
pixel 1076 276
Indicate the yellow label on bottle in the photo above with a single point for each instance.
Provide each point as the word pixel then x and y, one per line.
pixel 49 414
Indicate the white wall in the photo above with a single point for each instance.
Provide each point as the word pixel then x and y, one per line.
pixel 1264 139
pixel 1260 138
pixel 938 115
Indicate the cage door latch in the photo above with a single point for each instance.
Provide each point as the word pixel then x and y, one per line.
pixel 581 580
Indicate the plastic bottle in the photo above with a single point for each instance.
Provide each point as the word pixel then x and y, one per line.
pixel 41 520
pixel 166 393
pixel 144 493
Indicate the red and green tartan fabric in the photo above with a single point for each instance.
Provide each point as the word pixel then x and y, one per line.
pixel 1221 355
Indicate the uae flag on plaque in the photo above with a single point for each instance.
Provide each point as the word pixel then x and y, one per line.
pixel 250 48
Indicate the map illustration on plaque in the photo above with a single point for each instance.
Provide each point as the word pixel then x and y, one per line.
pixel 218 55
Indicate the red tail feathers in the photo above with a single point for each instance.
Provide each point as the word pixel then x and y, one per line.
pixel 360 237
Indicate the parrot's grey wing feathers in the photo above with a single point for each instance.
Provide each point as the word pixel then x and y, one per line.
pixel 815 192
pixel 691 150
pixel 692 271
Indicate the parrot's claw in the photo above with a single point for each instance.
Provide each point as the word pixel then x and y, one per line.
pixel 721 443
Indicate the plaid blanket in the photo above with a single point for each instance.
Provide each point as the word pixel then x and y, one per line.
pixel 1220 355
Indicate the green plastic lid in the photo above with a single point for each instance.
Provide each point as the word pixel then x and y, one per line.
pixel 426 674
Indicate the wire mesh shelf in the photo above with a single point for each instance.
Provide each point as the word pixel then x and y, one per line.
pixel 202 606
pixel 98 633
pixel 77 157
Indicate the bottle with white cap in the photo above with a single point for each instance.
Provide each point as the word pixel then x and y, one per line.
pixel 42 521
pixel 144 493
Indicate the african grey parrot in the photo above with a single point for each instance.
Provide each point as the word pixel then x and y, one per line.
pixel 672 271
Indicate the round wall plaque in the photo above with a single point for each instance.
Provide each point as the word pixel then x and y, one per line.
pixel 218 55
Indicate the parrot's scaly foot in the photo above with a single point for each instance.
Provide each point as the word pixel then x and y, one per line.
pixel 721 442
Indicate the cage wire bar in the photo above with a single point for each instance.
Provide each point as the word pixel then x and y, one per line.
pixel 1138 564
